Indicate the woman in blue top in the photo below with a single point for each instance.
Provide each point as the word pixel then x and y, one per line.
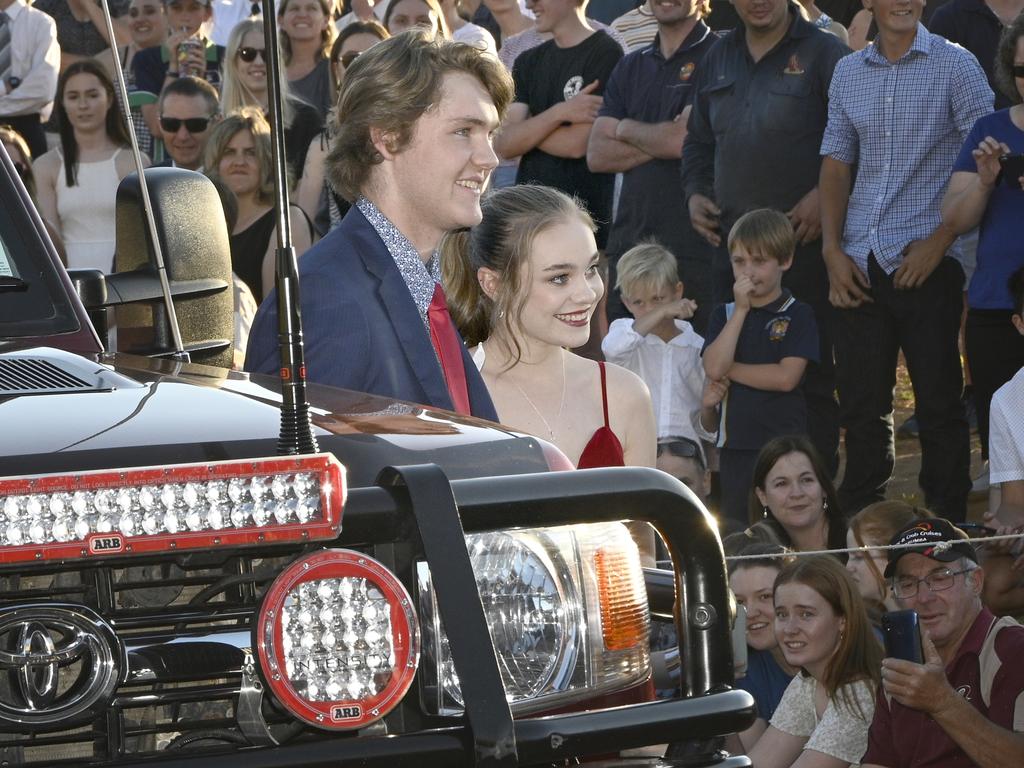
pixel 980 196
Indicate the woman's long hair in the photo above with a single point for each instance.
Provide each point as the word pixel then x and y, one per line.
pixel 234 93
pixel 774 450
pixel 117 130
pixel 858 655
pixel 512 219
pixel 879 522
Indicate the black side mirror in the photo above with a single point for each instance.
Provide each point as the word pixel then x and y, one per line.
pixel 197 254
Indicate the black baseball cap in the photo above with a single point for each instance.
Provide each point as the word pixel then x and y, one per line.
pixel 927 534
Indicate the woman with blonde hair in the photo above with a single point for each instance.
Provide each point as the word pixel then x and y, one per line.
pixel 238 154
pixel 823 630
pixel 307 34
pixel 874 526
pixel 246 85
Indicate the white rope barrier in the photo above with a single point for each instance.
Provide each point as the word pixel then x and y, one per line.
pixel 940 546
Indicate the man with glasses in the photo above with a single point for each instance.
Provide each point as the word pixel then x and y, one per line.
pixel 965 704
pixel 189 108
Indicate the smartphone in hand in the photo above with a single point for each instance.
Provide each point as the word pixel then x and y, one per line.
pixel 1012 167
pixel 902 634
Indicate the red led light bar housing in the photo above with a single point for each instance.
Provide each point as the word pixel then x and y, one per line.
pixel 328 471
pixel 342 714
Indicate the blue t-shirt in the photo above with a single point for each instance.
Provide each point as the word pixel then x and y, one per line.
pixel 751 417
pixel 765 680
pixel 999 239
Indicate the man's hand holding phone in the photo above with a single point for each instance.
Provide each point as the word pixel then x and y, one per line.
pixel 923 686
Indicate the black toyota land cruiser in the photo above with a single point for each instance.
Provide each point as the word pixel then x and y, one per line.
pixel 427 589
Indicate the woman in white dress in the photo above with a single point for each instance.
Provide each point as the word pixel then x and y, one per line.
pixel 77 181
pixel 822 627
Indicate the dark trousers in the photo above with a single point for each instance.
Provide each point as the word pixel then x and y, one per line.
pixel 736 474
pixel 995 352
pixel 925 324
pixel 807 280
pixel 31 130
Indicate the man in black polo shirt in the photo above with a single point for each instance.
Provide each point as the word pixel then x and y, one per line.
pixel 758 117
pixel 639 132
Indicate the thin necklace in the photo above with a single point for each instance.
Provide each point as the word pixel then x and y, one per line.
pixel 561 403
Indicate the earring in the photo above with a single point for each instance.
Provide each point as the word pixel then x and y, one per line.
pixel 765 514
pixel 824 506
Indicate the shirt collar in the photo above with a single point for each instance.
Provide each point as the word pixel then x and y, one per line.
pixel 697 36
pixel 419 277
pixel 922 44
pixel 15 9
pixel 975 637
pixel 781 304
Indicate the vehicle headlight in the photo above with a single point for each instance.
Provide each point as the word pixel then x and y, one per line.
pixel 567 613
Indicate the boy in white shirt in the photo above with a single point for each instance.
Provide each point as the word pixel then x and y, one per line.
pixel 658 344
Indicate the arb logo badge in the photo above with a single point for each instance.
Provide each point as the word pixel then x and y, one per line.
pixel 106 544
pixel 347 712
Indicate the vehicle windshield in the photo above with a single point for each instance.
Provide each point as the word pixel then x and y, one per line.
pixel 33 300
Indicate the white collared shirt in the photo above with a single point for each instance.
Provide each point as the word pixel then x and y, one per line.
pixel 35 60
pixel 672 371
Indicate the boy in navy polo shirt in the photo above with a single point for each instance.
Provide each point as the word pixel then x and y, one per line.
pixel 761 344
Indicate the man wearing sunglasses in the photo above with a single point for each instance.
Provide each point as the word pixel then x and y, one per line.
pixel 965 704
pixel 682 458
pixel 189 108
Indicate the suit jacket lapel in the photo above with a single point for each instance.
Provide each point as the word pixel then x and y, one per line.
pixel 405 318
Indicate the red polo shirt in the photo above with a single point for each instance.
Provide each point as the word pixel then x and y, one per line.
pixel 901 737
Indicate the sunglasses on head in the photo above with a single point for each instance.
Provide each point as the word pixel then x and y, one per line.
pixel 348 57
pixel 249 54
pixel 683 447
pixel 192 124
pixel 1018 70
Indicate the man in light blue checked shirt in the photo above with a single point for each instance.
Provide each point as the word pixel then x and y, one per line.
pixel 899 110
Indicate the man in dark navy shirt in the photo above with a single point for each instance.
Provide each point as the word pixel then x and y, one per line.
pixel 758 116
pixel 639 132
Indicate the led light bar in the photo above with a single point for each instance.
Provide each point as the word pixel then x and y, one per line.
pixel 337 639
pixel 184 506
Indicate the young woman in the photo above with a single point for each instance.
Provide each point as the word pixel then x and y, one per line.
pixel 148 26
pixel 768 674
pixel 823 630
pixel 245 85
pixel 522 285
pixel 406 14
pixel 793 491
pixel 307 34
pixel 77 181
pixel 315 197
pixel 874 526
pixel 239 154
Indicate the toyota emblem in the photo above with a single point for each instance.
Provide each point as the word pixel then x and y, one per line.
pixel 63 664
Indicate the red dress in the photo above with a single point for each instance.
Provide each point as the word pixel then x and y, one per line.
pixel 604 448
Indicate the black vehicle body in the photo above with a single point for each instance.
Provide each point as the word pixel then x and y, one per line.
pixel 181 623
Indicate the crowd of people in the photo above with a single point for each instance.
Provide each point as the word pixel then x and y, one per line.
pixel 684 234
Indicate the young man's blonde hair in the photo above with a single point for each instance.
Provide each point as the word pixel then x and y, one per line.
pixel 647 266
pixel 389 88
pixel 764 231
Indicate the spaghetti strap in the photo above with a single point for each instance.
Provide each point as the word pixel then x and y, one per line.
pixel 604 393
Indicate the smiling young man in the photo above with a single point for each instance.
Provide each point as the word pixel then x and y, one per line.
pixel 899 111
pixel 965 704
pixel 372 304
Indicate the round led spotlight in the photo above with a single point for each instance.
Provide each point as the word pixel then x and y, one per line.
pixel 338 639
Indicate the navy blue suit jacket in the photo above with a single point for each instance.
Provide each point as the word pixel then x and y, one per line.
pixel 362 329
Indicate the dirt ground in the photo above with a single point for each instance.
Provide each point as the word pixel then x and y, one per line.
pixel 908 456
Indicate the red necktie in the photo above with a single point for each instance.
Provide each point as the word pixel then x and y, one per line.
pixel 449 350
